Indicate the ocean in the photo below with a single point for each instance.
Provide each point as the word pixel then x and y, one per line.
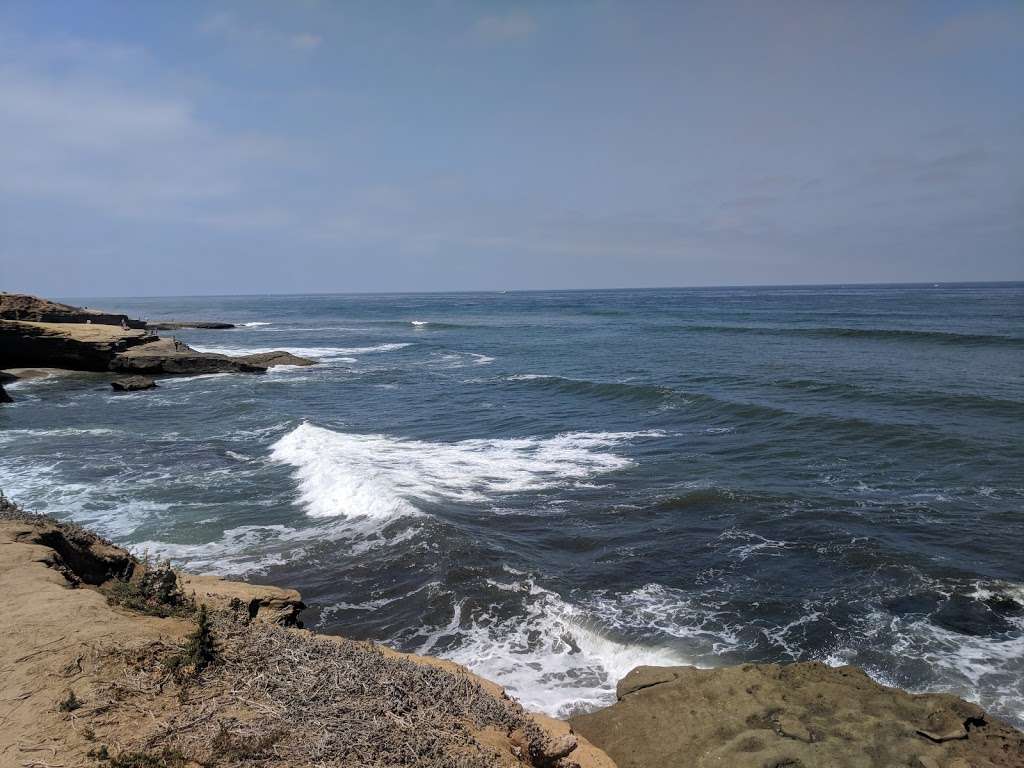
pixel 554 487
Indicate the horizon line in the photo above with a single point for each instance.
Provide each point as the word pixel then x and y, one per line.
pixel 496 291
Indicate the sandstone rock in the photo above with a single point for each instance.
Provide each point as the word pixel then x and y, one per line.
pixel 278 357
pixel 265 603
pixel 804 714
pixel 4 397
pixel 79 346
pixel 21 306
pixel 133 383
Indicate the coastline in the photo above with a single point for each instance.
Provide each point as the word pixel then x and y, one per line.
pixel 63 634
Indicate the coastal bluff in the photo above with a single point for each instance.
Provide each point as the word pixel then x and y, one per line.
pixel 39 333
pixel 99 666
pixel 96 670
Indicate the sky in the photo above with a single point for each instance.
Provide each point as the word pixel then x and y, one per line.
pixel 313 147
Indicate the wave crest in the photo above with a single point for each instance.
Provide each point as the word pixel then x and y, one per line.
pixel 382 477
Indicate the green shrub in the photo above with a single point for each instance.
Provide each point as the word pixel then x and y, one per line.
pixel 199 651
pixel 156 592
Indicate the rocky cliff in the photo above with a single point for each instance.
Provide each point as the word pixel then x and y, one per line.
pixel 105 660
pixel 36 333
pixel 78 346
pixel 21 306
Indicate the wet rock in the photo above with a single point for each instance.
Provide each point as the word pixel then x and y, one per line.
pixel 278 357
pixel 175 325
pixel 968 616
pixel 4 397
pixel 133 384
pixel 173 356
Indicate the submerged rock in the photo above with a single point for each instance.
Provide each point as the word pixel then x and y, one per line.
pixel 170 325
pixel 133 383
pixel 803 714
pixel 4 397
pixel 277 357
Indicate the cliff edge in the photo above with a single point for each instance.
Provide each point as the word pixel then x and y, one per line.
pixel 106 661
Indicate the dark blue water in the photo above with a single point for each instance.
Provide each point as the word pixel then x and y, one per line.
pixel 555 487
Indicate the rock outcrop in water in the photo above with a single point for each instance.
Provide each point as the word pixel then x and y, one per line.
pixel 4 397
pixel 173 356
pixel 278 357
pixel 21 306
pixel 36 333
pixel 133 384
pixel 76 346
pixel 168 325
pixel 795 715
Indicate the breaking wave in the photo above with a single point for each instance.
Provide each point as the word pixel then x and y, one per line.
pixel 381 477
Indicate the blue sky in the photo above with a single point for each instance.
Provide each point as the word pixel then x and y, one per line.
pixel 290 147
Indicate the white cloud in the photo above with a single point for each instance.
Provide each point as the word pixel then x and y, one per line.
pixel 509 27
pixel 83 136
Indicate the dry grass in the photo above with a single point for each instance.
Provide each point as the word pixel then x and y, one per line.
pixel 280 697
pixel 263 695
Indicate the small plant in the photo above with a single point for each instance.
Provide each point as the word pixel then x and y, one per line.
pixel 70 703
pixel 156 592
pixel 99 753
pixel 199 651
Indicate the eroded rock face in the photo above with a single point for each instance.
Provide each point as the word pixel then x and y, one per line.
pixel 78 346
pixel 805 714
pixel 22 306
pixel 278 357
pixel 264 603
pixel 132 384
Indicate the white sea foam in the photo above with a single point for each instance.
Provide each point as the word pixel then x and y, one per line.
pixel 752 543
pixel 419 323
pixel 381 477
pixel 254 324
pixel 241 550
pixel 552 659
pixel 700 620
pixel 319 353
